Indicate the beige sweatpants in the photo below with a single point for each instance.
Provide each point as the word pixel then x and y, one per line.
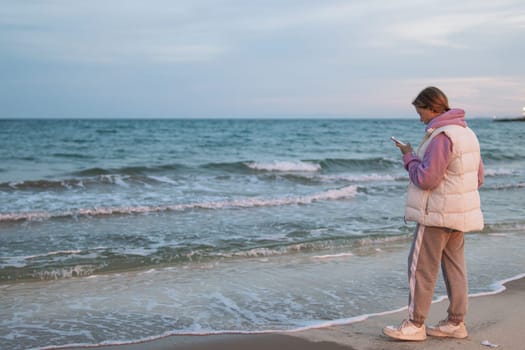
pixel 432 247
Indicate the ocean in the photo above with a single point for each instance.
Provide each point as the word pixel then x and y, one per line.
pixel 118 231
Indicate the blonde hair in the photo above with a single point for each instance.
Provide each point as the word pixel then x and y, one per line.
pixel 433 99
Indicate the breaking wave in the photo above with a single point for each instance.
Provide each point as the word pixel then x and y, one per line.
pixel 285 166
pixel 335 194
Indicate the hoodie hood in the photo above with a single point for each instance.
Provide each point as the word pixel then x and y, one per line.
pixel 455 116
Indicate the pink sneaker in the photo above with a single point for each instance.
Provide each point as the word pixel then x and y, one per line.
pixel 445 328
pixel 406 331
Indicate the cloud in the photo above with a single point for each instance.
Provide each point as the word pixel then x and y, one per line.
pixel 455 28
pixel 183 53
pixel 106 32
pixel 480 96
pixel 315 13
pixel 259 57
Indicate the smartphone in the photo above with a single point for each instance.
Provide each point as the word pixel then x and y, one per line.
pixel 398 141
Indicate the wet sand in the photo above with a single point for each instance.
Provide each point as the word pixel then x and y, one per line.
pixel 496 318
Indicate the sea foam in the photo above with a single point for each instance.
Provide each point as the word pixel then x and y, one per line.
pixel 284 166
pixel 334 194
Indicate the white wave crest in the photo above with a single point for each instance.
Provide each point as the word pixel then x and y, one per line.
pixel 500 171
pixel 335 194
pixel 58 252
pixel 285 166
pixel 66 272
pixel 115 179
pixel 362 178
pixel 164 179
pixel 506 186
pixel 332 256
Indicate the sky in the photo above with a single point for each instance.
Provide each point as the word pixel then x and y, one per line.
pixel 258 59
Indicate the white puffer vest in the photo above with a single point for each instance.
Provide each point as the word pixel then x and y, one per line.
pixel 455 203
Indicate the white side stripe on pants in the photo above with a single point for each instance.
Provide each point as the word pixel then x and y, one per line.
pixel 413 267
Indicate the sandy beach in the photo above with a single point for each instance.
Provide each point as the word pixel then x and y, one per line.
pixel 496 319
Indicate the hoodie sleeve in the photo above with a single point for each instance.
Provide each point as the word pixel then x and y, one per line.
pixel 430 171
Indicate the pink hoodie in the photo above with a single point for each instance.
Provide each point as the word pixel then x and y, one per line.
pixel 428 173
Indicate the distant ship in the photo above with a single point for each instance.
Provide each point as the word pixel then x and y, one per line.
pixel 515 119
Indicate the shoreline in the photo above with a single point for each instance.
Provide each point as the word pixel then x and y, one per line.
pixel 493 316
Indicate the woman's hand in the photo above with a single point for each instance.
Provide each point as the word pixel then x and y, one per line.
pixel 407 148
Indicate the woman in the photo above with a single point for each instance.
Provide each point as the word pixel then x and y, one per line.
pixel 443 199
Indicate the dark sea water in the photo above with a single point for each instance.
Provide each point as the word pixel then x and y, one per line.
pixel 114 231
